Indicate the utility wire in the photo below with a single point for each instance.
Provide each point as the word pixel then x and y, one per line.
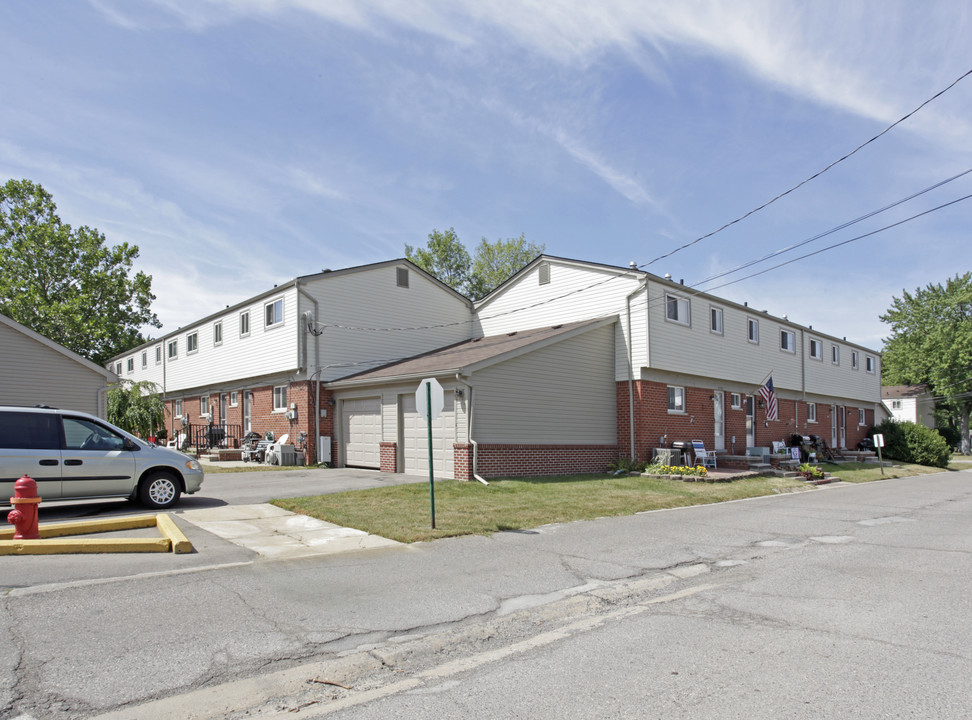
pixel 812 177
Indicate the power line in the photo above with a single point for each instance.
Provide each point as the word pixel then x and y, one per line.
pixel 812 177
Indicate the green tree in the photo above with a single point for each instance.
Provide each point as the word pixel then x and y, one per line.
pixel 136 407
pixel 445 257
pixel 931 342
pixel 67 283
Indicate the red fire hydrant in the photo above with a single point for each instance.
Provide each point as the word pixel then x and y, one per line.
pixel 24 515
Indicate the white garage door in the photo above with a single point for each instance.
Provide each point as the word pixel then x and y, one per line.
pixel 362 432
pixel 415 438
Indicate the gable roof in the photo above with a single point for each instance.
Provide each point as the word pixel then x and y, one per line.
pixel 70 354
pixel 903 391
pixel 470 355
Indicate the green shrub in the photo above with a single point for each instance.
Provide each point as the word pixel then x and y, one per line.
pixel 913 443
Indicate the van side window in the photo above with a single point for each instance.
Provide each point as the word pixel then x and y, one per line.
pixel 29 431
pixel 81 434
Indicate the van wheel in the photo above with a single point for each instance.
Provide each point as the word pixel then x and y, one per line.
pixel 159 491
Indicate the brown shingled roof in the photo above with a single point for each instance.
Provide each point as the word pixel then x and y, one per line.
pixel 903 391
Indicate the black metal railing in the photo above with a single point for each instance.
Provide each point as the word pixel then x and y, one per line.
pixel 206 437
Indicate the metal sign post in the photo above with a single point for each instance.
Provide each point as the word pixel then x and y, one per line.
pixel 429 401
pixel 879 443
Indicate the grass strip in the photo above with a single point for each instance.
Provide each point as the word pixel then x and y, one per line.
pixel 402 512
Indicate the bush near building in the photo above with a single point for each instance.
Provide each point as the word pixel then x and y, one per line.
pixel 913 443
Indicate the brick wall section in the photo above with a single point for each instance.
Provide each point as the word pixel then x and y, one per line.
pixel 652 421
pixel 462 454
pixel 533 460
pixel 388 454
pixel 262 417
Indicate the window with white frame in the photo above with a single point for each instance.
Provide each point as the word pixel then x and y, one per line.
pixel 173 349
pixel 812 412
pixel 862 416
pixel 144 359
pixel 218 333
pixel 855 360
pixel 234 399
pixel 816 349
pixel 677 309
pixel 869 363
pixel 752 330
pixel 715 320
pixel 204 405
pixel 280 398
pixel 835 355
pixel 895 404
pixel 676 399
pixel 117 368
pixel 192 343
pixel 273 313
pixel 158 354
pixel 244 323
pixel 735 401
pixel 787 341
pixel 177 408
pixel 130 365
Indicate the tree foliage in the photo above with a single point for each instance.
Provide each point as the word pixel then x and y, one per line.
pixel 136 407
pixel 445 257
pixel 931 342
pixel 67 283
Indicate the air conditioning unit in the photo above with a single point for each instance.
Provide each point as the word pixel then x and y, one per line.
pixel 291 414
pixel 324 449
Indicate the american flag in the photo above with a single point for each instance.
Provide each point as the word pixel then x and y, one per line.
pixel 769 395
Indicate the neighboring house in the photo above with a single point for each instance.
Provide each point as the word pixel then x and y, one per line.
pixel 909 403
pixel 35 370
pixel 564 367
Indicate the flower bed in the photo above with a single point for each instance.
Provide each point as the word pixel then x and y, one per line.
pixel 677 472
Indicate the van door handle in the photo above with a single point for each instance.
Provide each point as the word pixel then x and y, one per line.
pixel 48 462
pixel 73 462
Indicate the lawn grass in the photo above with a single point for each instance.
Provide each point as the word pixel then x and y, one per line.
pixel 402 512
pixel 867 472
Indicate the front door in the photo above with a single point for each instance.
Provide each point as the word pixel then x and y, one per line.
pixel 833 426
pixel 750 424
pixel 223 405
pixel 843 426
pixel 718 417
pixel 247 409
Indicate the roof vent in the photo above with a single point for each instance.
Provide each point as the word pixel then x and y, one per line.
pixel 682 281
pixel 745 303
pixel 668 276
pixel 633 265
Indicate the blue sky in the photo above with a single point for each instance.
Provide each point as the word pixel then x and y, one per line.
pixel 241 143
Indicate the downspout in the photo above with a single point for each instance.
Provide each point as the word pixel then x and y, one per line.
pixel 469 428
pixel 317 363
pixel 631 430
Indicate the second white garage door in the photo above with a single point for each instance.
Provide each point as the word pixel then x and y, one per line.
pixel 362 432
pixel 415 438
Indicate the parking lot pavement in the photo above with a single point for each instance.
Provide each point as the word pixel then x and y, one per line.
pixel 203 518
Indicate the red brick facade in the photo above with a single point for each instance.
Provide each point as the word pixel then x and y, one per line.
pixel 388 457
pixel 533 460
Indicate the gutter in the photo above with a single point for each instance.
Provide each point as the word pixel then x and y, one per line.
pixel 469 424
pixel 317 362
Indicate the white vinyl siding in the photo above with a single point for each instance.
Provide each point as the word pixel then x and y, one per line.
pixel 562 394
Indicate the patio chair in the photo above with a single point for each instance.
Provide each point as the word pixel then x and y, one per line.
pixel 703 457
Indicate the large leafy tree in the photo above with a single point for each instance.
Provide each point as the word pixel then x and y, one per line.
pixel 137 407
pixel 67 283
pixel 931 342
pixel 445 257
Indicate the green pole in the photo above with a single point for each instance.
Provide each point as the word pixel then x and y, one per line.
pixel 428 415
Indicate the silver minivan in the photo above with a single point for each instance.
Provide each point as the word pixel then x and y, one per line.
pixel 74 456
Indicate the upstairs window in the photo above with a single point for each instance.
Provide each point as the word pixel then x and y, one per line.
pixel 218 333
pixel 869 363
pixel 895 404
pixel 835 355
pixel 816 349
pixel 131 365
pixel 158 354
pixel 244 323
pixel 273 313
pixel 192 343
pixel 144 359
pixel 855 360
pixel 752 330
pixel 787 341
pixel 715 320
pixel 677 309
pixel 173 350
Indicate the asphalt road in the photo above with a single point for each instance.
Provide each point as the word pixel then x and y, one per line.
pixel 845 602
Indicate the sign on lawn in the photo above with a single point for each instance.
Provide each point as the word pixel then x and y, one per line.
pixel 879 440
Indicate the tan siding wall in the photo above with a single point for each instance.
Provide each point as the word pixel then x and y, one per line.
pixel 372 299
pixel 561 394
pixel 31 374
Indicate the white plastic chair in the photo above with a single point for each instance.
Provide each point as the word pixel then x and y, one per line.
pixel 703 457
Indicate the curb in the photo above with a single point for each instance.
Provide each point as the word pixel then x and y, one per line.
pixel 172 540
